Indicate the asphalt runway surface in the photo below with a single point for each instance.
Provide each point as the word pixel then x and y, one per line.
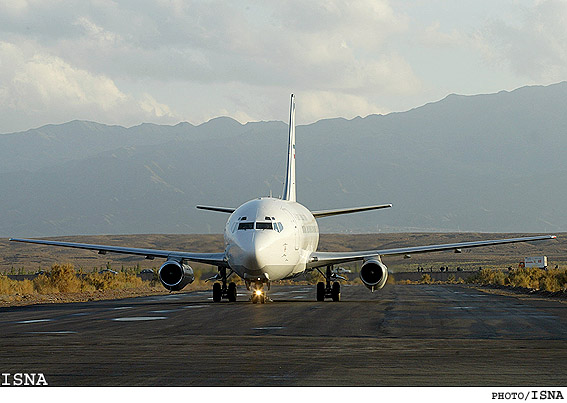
pixel 405 335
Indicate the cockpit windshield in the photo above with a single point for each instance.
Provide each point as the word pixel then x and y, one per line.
pixel 260 225
pixel 264 225
pixel 245 225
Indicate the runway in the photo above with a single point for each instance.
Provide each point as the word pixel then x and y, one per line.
pixel 405 335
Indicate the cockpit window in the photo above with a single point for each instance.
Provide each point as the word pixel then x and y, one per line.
pixel 245 225
pixel 276 226
pixel 264 225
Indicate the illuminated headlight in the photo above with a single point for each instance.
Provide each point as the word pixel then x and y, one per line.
pixel 258 292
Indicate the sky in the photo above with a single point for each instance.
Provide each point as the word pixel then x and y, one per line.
pixel 134 61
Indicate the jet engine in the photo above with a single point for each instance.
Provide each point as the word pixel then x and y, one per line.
pixel 175 275
pixel 374 274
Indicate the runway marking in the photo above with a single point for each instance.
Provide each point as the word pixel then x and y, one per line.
pixel 59 332
pixel 139 318
pixel 162 297
pixel 194 306
pixel 165 311
pixel 269 328
pixel 80 314
pixel 35 321
pixel 121 307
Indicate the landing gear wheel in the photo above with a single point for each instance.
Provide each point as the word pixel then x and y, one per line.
pixel 336 292
pixel 232 292
pixel 320 291
pixel 217 292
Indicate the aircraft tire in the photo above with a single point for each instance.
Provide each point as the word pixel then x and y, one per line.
pixel 320 291
pixel 336 291
pixel 217 292
pixel 232 292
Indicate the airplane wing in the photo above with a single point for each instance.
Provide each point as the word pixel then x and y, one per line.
pixel 229 210
pixel 318 259
pixel 215 259
pixel 327 213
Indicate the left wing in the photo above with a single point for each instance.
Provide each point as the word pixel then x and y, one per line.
pixel 229 210
pixel 318 259
pixel 215 259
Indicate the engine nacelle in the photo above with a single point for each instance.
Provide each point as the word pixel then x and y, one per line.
pixel 374 274
pixel 175 275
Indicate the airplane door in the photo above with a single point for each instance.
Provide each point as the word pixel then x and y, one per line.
pixel 295 229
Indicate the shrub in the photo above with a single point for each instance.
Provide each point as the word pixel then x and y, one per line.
pixel 426 279
pixel 548 280
pixel 11 287
pixel 64 278
pixel 110 281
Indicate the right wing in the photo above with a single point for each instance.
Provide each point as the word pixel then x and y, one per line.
pixel 318 259
pixel 327 213
pixel 215 259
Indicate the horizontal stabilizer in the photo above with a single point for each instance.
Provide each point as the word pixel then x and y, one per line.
pixel 327 213
pixel 229 210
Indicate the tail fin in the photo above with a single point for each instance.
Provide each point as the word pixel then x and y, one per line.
pixel 289 185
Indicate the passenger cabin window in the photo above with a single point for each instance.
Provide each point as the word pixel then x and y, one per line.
pixel 245 225
pixel 264 225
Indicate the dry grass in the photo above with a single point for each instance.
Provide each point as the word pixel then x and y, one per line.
pixel 552 280
pixel 427 279
pixel 63 278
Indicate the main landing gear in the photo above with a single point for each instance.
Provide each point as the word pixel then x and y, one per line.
pixel 226 291
pixel 326 289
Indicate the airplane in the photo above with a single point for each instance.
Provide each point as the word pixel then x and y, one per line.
pixel 269 239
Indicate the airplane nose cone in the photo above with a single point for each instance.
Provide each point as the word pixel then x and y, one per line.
pixel 256 256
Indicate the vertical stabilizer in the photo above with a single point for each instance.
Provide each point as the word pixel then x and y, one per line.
pixel 289 184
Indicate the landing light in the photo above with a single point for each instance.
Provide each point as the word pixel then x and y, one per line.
pixel 258 292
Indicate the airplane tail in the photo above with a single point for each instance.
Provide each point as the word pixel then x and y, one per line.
pixel 289 184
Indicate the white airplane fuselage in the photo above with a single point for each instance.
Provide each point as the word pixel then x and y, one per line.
pixel 269 239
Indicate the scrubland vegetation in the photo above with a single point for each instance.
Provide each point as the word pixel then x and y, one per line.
pixel 427 279
pixel 552 280
pixel 65 279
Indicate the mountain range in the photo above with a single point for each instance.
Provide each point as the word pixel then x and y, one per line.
pixel 482 163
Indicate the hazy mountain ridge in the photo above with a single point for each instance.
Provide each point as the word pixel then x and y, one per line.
pixel 470 163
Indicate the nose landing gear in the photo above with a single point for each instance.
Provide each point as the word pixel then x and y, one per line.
pixel 259 295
